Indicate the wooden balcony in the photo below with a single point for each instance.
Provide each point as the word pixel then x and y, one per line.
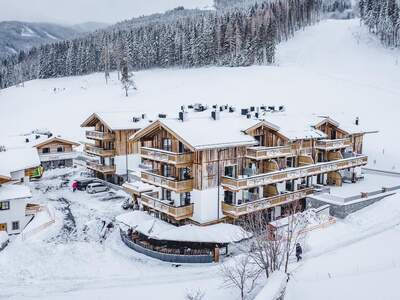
pixel 100 168
pixel 328 145
pixel 166 156
pixel 236 211
pixel 93 150
pixel 99 135
pixel 151 200
pixel 259 153
pixel 292 173
pixel 173 184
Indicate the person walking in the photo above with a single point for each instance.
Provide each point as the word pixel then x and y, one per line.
pixel 299 252
pixel 74 186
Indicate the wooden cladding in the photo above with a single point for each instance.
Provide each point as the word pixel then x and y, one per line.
pixel 236 211
pixel 99 135
pixel 333 144
pixel 166 156
pixel 259 153
pixel 151 200
pixel 168 183
pixel 100 168
pixel 91 149
pixel 291 174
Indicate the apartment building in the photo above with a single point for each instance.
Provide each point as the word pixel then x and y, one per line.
pixel 217 165
pixel 108 133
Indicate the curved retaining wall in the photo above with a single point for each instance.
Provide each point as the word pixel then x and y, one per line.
pixel 173 258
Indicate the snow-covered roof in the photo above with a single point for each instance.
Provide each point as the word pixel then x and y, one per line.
pixel 18 159
pixel 138 186
pixel 14 191
pixel 118 120
pixel 205 133
pixel 32 140
pixel 157 229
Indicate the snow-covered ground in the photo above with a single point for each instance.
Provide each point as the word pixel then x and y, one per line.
pixel 334 67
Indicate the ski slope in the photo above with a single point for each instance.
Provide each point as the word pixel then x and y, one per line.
pixel 335 67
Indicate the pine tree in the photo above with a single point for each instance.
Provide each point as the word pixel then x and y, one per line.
pixel 127 80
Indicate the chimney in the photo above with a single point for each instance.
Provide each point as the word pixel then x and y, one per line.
pixel 162 116
pixel 143 116
pixel 135 119
pixel 357 121
pixel 182 116
pixel 26 140
pixel 248 116
pixel 244 111
pixel 215 115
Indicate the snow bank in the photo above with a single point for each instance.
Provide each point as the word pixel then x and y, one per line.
pixel 3 237
pixel 274 287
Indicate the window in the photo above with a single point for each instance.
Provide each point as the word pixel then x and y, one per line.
pixel 166 170
pixel 167 145
pixel 60 149
pixel 185 198
pixel 46 150
pixel 166 194
pixel 4 205
pixel 228 197
pixel 15 225
pixel 230 171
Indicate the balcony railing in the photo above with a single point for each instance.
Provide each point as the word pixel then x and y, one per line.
pixel 91 149
pixel 99 135
pixel 333 144
pixel 166 156
pixel 100 168
pixel 236 211
pixel 178 213
pixel 259 153
pixel 173 184
pixel 292 173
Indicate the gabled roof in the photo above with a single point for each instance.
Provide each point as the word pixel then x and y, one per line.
pixel 56 139
pixel 119 120
pixel 18 159
pixel 203 132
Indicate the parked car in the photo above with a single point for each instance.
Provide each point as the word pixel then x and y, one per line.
pixel 82 183
pixel 96 187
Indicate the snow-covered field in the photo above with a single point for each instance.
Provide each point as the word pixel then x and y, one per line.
pixel 334 67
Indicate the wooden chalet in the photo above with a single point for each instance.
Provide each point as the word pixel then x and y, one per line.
pixel 109 133
pixel 206 169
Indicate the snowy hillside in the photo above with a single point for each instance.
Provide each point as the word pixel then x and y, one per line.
pixel 335 67
pixel 16 36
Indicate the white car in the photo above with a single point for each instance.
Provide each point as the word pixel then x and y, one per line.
pixel 96 187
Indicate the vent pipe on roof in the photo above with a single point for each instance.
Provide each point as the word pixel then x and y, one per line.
pixel 26 140
pixel 182 116
pixel 162 116
pixel 357 121
pixel 215 115
pixel 143 116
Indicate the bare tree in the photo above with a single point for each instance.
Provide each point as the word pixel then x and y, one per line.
pixel 195 295
pixel 240 274
pixel 265 251
pixel 106 59
pixel 295 231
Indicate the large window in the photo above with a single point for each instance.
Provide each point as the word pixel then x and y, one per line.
pixel 229 197
pixel 167 145
pixel 46 150
pixel 166 194
pixel 60 149
pixel 4 205
pixel 15 225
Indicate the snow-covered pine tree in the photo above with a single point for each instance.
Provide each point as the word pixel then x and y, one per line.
pixel 127 79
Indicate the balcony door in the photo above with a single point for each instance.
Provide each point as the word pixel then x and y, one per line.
pixel 167 145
